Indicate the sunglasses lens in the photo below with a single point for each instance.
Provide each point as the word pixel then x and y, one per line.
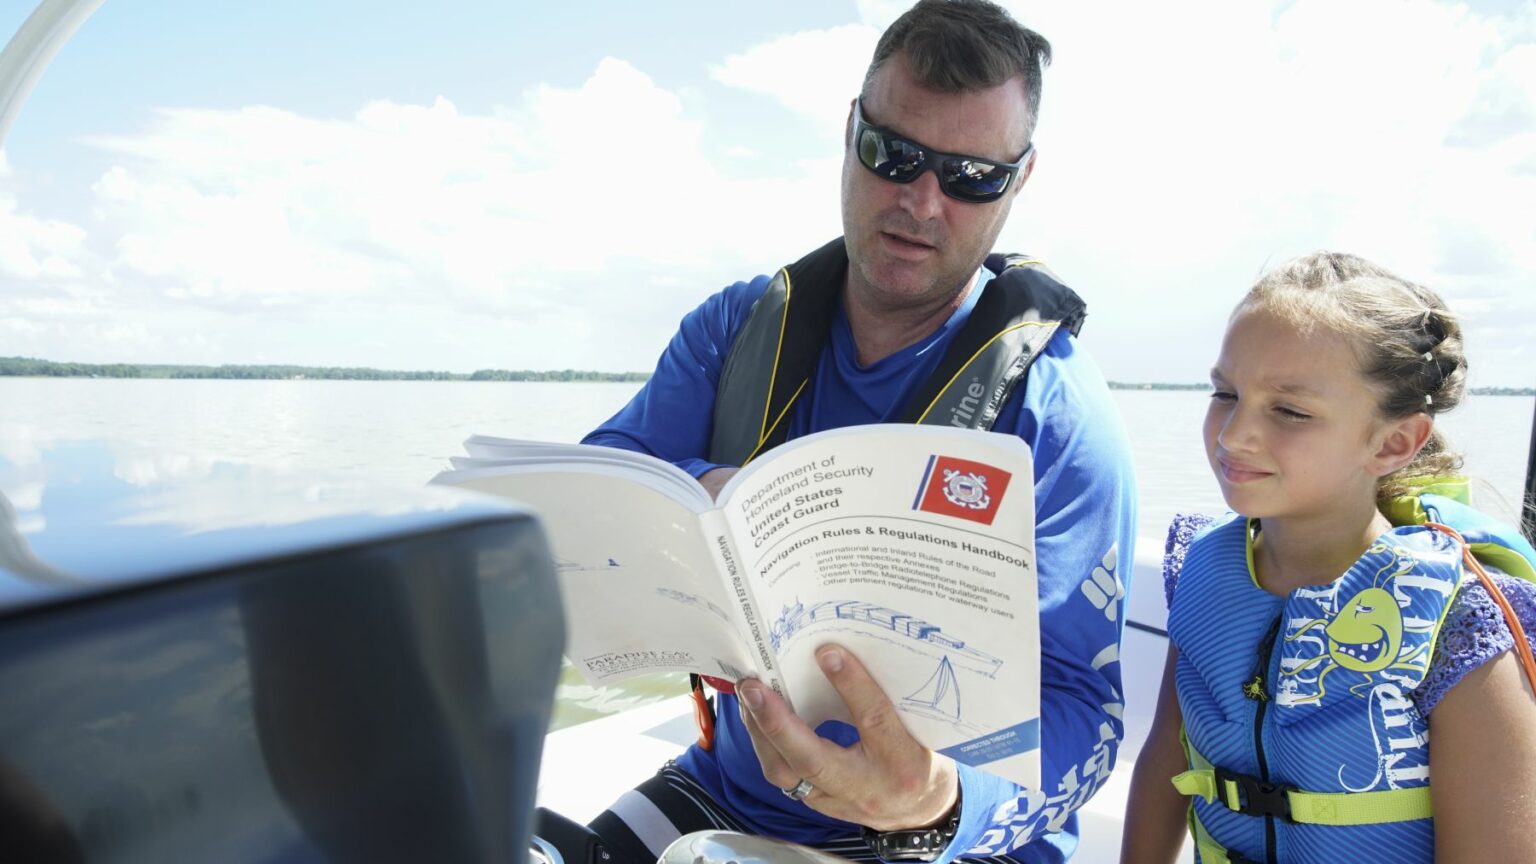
pixel 972 180
pixel 901 161
pixel 890 157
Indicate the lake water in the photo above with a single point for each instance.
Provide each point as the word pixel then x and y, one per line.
pixel 405 431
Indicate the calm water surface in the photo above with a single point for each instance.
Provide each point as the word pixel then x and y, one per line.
pixel 405 431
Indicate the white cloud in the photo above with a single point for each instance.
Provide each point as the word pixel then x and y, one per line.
pixel 800 69
pixel 570 229
pixel 36 249
pixel 1182 148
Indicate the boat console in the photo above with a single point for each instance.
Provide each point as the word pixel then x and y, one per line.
pixel 248 669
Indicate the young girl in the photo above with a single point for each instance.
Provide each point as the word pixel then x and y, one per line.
pixel 1316 651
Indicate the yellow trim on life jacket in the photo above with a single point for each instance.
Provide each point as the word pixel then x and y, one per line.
pixel 1319 808
pixel 1251 531
pixel 1309 808
pixel 778 349
pixel 1409 510
pixel 776 421
pixel 963 366
pixel 1505 559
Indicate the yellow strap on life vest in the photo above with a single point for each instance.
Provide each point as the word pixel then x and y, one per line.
pixel 1320 808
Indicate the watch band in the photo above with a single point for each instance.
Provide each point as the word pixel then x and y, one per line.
pixel 915 844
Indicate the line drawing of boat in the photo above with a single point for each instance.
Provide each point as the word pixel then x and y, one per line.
pixel 793 619
pixel 940 693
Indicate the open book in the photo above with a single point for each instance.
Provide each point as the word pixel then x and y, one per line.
pixel 911 546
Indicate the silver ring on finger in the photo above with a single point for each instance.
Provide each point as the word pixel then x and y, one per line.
pixel 799 790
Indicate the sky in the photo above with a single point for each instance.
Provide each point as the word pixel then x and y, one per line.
pixel 554 185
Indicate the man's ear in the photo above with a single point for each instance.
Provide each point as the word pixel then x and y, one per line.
pixel 1028 169
pixel 848 123
pixel 1399 441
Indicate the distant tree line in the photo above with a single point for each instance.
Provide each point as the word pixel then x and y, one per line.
pixel 1122 385
pixel 1502 391
pixel 328 373
pixel 32 367
pixel 47 368
pixel 555 375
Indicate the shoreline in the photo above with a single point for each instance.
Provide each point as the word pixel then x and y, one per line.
pixel 27 367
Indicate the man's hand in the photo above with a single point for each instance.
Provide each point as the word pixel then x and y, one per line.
pixel 886 781
pixel 715 479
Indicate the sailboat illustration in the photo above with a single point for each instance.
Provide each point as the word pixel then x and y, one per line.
pixel 940 693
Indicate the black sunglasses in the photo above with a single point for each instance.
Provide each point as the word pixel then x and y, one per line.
pixel 901 160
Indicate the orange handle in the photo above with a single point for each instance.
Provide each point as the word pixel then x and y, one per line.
pixel 703 714
pixel 1522 644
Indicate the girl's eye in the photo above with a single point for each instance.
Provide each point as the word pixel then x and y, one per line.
pixel 1292 413
pixel 1224 396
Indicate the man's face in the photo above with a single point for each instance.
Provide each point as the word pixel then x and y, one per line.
pixel 910 245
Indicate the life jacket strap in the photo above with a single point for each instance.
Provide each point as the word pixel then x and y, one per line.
pixel 1243 793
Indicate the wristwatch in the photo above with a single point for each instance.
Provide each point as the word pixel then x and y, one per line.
pixel 916 844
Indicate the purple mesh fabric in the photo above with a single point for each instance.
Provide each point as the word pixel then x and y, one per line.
pixel 1180 532
pixel 1474 633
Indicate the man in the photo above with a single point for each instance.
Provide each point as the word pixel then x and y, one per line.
pixel 901 292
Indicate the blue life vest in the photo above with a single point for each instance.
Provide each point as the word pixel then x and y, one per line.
pixel 1303 741
pixel 1303 701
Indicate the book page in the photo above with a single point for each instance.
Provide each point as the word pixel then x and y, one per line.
pixel 488 450
pixel 913 547
pixel 641 587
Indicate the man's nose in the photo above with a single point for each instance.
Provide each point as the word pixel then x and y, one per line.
pixel 922 198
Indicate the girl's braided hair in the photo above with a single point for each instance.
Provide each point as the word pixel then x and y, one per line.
pixel 1407 342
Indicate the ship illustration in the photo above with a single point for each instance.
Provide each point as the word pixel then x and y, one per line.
pixel 793 619
pixel 940 694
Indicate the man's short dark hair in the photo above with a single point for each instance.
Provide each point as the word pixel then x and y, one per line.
pixel 958 45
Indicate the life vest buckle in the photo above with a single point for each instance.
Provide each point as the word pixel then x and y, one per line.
pixel 1245 793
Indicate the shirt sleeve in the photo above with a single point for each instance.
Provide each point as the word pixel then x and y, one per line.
pixel 1474 631
pixel 672 416
pixel 1181 533
pixel 1085 501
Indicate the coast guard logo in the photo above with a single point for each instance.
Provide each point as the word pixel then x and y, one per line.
pixel 961 488
pixel 966 490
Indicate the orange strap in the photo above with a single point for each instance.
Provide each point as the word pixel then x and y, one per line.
pixel 703 713
pixel 1522 643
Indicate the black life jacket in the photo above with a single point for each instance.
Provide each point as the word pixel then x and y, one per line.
pixel 773 358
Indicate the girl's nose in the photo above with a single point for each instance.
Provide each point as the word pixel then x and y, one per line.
pixel 1238 431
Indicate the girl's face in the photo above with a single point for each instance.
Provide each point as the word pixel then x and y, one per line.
pixel 1292 429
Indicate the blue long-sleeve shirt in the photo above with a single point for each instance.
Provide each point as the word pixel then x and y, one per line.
pixel 1084 534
